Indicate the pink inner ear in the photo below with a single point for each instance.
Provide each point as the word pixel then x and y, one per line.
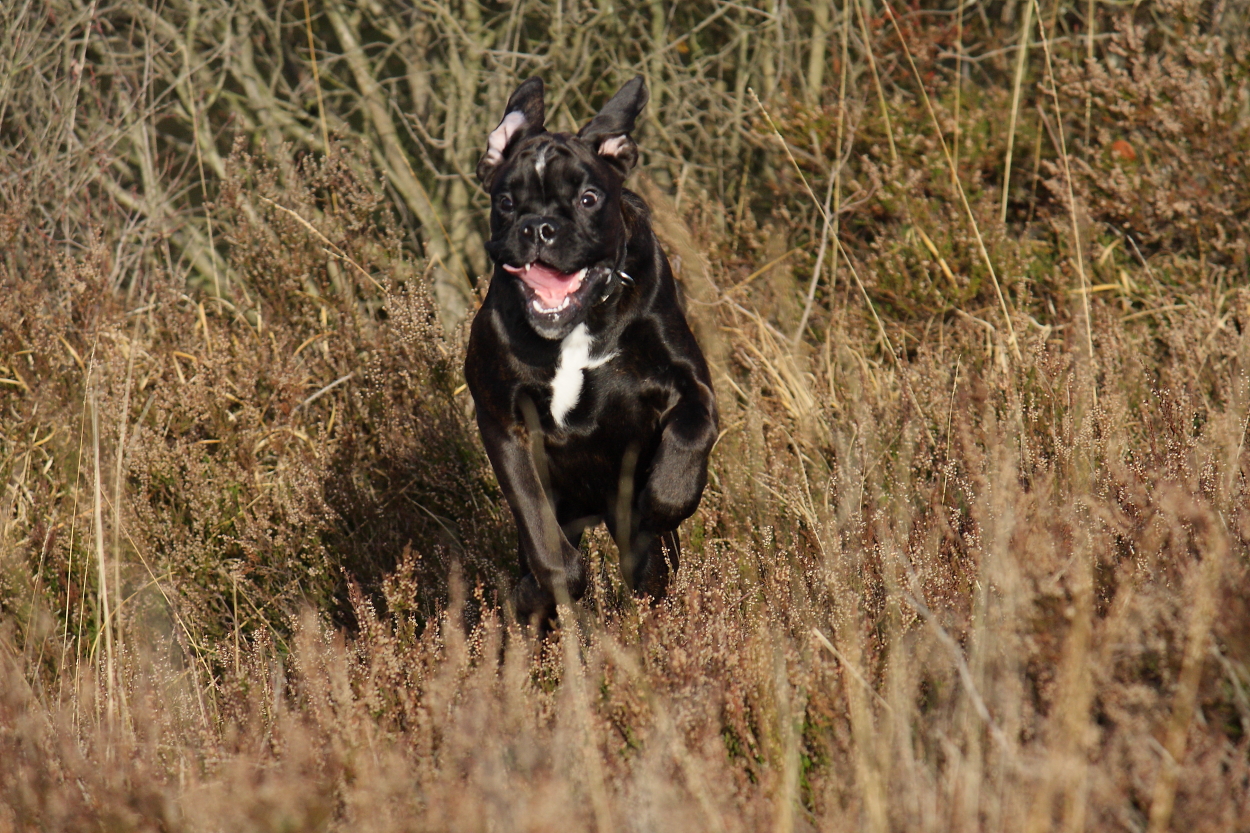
pixel 501 135
pixel 614 145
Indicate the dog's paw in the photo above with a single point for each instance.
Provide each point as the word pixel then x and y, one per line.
pixel 532 600
pixel 534 597
pixel 672 494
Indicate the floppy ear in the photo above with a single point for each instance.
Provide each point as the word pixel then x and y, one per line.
pixel 523 117
pixel 608 133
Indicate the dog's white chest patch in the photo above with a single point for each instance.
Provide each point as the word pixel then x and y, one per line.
pixel 566 387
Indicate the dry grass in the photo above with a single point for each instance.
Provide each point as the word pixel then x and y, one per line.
pixel 975 553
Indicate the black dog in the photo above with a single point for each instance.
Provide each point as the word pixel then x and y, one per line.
pixel 593 399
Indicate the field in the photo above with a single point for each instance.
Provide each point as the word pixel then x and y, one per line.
pixel 975 551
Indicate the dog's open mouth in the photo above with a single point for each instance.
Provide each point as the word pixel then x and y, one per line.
pixel 550 290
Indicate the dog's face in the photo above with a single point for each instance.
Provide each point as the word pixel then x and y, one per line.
pixel 556 223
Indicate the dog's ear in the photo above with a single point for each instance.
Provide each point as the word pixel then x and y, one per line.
pixel 608 133
pixel 523 117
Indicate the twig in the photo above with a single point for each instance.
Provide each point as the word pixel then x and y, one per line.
pixel 835 191
pixel 876 77
pixel 959 88
pixel 199 161
pixel 916 600
pixel 1067 175
pixel 888 346
pixel 335 250
pixel 950 417
pixel 1169 308
pixel 820 262
pixel 770 264
pixel 963 197
pixel 325 390
pixel 785 146
pixel 1091 23
pixel 312 59
pixel 102 589
pixel 850 668
pixel 1025 30
pixel 880 326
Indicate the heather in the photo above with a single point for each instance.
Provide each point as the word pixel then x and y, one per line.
pixel 973 555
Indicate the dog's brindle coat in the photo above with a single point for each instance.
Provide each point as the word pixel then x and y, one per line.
pixel 593 399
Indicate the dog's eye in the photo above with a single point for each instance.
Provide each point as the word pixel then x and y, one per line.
pixel 505 203
pixel 590 199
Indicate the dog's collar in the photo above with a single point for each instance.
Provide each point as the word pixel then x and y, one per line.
pixel 622 276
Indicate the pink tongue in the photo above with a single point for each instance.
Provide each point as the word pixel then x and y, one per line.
pixel 551 286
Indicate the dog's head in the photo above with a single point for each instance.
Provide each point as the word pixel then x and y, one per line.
pixel 555 220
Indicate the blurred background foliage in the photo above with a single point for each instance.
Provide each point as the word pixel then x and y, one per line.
pixel 118 119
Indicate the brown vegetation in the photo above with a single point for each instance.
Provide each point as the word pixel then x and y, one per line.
pixel 974 554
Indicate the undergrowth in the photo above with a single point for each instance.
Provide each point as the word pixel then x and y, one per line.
pixel 974 549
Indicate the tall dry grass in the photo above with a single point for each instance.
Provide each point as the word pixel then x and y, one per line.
pixel 973 555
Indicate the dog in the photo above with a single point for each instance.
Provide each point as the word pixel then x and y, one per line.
pixel 592 397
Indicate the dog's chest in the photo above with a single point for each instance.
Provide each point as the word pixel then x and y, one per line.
pixel 576 357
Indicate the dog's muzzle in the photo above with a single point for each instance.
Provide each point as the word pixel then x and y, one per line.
pixel 556 301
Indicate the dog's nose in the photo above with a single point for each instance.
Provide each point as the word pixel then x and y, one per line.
pixel 544 230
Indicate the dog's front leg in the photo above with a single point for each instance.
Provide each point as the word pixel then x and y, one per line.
pixel 678 471
pixel 673 486
pixel 552 567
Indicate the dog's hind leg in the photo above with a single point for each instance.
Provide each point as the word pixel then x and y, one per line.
pixel 651 561
pixel 657 567
pixel 531 597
